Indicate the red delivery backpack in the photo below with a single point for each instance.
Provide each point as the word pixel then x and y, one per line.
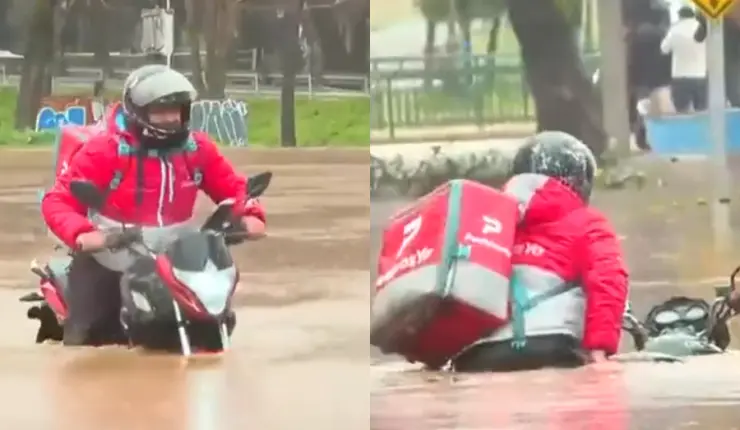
pixel 69 140
pixel 443 273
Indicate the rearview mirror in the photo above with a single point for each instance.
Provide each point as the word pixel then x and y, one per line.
pixel 88 194
pixel 257 184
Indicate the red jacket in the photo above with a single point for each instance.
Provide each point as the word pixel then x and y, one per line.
pixel 167 194
pixel 566 239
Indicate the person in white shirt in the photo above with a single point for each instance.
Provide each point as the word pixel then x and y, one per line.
pixel 688 63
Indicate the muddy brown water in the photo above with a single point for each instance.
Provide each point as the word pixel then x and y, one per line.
pixel 667 239
pixel 300 350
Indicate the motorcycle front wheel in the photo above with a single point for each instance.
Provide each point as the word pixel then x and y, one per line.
pixel 163 337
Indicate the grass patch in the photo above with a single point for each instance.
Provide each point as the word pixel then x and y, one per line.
pixel 328 122
pixel 319 122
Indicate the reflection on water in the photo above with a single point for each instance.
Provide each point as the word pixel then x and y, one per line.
pixel 126 389
pixel 704 391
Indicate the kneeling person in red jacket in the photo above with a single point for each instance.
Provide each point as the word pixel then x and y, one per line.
pixel 151 167
pixel 569 283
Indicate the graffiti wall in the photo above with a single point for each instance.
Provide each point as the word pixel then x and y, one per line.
pixel 224 120
pixel 59 111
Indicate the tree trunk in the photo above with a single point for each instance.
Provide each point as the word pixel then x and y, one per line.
pixel 194 12
pixel 360 52
pixel 6 32
pixel 289 56
pixel 564 95
pixel 37 63
pixel 99 17
pixel 61 13
pixel 336 57
pixel 220 23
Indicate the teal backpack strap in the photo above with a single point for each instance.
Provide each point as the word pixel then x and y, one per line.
pixel 115 181
pixel 197 176
pixel 521 303
pixel 451 251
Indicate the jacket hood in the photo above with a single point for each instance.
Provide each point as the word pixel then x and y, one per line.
pixel 541 198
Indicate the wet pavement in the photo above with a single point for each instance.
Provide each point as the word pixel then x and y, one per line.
pixel 300 346
pixel 666 235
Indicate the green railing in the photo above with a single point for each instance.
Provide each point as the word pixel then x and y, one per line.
pixel 450 91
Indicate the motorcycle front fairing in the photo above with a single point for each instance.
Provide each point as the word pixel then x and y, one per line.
pixel 201 273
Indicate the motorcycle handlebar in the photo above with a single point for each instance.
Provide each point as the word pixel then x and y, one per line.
pixel 732 278
pixel 225 222
pixel 632 325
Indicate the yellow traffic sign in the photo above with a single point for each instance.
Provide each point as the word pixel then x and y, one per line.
pixel 714 8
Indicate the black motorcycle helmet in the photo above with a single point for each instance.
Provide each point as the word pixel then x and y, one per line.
pixel 558 155
pixel 149 91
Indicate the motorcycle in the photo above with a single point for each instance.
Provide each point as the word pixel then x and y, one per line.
pixel 185 288
pixel 682 327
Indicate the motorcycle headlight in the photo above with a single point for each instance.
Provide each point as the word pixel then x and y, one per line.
pixel 666 317
pixel 695 313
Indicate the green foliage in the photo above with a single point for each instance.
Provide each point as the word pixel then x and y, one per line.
pixel 319 122
pixel 439 10
pixel 572 9
pixel 435 10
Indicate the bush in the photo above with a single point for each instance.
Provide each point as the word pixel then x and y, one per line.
pixel 413 178
pixel 402 177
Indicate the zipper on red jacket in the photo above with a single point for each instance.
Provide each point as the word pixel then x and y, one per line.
pixel 166 188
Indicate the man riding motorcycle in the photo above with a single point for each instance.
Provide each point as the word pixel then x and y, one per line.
pixel 150 166
pixel 562 244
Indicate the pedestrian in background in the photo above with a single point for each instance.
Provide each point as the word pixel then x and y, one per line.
pixel 688 62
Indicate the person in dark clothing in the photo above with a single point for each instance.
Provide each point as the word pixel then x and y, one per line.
pixel 648 68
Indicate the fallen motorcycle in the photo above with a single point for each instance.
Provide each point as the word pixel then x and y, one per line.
pixel 183 290
pixel 681 327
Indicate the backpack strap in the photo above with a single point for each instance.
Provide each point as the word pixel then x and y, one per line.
pixel 115 181
pixel 197 176
pixel 521 303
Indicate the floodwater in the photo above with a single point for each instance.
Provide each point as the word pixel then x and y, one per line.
pixel 702 393
pixel 665 233
pixel 300 353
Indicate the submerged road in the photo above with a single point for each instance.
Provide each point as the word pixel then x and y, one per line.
pixel 666 237
pixel 300 347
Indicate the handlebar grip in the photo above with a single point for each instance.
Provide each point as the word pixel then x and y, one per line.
pixel 236 237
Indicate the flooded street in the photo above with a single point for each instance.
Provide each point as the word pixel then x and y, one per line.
pixel 703 393
pixel 300 346
pixel 665 232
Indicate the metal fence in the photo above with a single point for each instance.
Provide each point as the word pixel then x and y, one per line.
pixel 82 72
pixel 412 92
pixel 238 84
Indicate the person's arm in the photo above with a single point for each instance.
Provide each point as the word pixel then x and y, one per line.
pixel 63 214
pixel 605 283
pixel 222 182
pixel 666 45
pixel 700 35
